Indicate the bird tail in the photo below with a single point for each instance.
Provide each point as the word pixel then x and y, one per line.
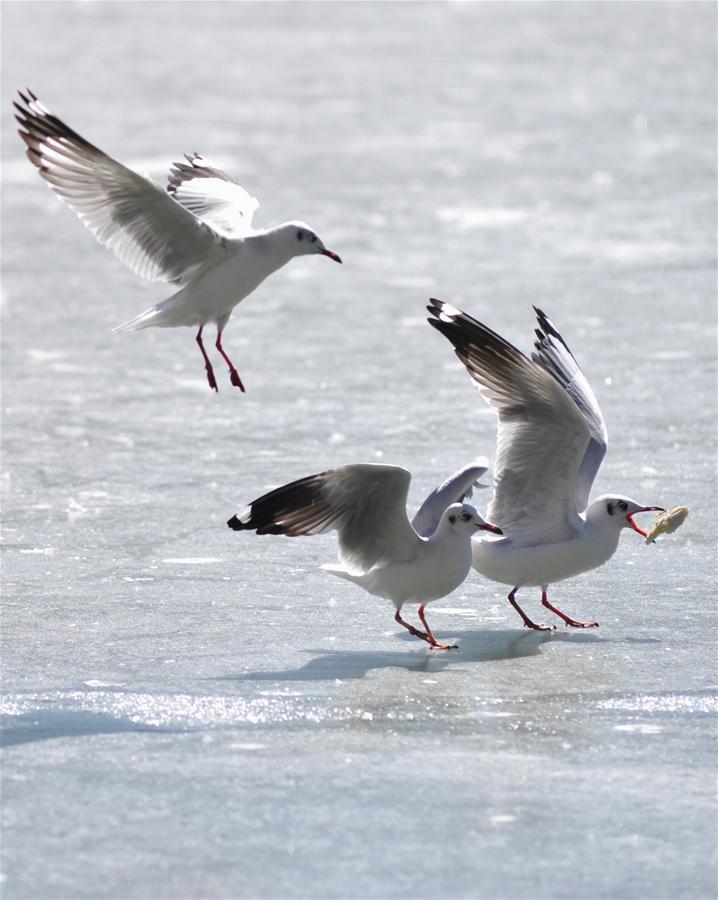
pixel 339 572
pixel 175 310
pixel 146 319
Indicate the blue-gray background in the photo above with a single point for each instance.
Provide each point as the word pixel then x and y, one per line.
pixel 197 713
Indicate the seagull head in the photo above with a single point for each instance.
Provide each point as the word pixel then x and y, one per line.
pixel 464 519
pixel 303 240
pixel 621 510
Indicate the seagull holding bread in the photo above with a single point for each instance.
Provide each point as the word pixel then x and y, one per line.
pixel 197 234
pixel 379 549
pixel 550 444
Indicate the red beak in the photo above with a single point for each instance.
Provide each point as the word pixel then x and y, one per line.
pixel 332 255
pixel 633 525
pixel 494 529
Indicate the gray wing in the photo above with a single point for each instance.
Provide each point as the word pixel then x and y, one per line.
pixel 366 504
pixel 542 435
pixel 457 488
pixel 152 234
pixel 552 353
pixel 211 195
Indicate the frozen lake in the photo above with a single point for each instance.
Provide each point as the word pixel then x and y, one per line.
pixel 195 713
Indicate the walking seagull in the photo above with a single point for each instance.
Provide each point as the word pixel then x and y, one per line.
pixel 378 548
pixel 550 444
pixel 197 234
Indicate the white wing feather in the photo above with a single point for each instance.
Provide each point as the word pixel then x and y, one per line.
pixel 542 435
pixel 211 195
pixel 457 488
pixel 366 504
pixel 152 234
pixel 553 354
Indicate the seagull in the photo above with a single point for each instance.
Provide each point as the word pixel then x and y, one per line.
pixel 379 549
pixel 197 234
pixel 550 444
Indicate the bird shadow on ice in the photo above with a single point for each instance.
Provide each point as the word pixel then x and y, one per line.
pixel 40 725
pixel 475 646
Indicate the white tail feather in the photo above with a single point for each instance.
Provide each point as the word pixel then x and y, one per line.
pixel 145 319
pixel 175 310
pixel 338 571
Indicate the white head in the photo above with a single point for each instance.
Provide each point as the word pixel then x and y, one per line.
pixel 616 511
pixel 301 240
pixel 464 519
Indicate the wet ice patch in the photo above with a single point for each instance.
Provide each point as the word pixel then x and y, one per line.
pixel 466 219
pixel 75 510
pixel 670 355
pixel 193 560
pixel 683 703
pixel 78 713
pixel 639 728
pixel 455 611
pixel 411 281
pixel 624 251
pixel 38 355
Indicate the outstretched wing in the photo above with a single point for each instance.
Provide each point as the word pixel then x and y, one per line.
pixel 212 196
pixel 542 435
pixel 366 504
pixel 457 488
pixel 157 238
pixel 552 353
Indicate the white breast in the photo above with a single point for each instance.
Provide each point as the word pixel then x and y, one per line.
pixel 543 564
pixel 439 567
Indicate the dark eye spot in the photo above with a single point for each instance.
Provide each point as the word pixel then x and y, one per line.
pixel 623 506
pixel 313 238
pixel 452 519
pixel 300 235
pixel 609 508
pixel 466 517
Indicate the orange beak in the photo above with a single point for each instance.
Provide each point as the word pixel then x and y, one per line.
pixel 629 517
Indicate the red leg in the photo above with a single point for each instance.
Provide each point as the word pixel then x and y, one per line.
pixel 527 622
pixel 437 645
pixel 233 373
pixel 567 619
pixel 207 364
pixel 411 629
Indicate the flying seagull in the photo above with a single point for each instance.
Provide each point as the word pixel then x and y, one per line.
pixel 197 234
pixel 550 443
pixel 379 549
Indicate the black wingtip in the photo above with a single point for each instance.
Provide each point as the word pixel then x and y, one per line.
pixel 235 524
pixel 28 97
pixel 549 329
pixel 435 307
pixel 545 323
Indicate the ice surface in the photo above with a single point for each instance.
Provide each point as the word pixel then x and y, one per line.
pixel 191 712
